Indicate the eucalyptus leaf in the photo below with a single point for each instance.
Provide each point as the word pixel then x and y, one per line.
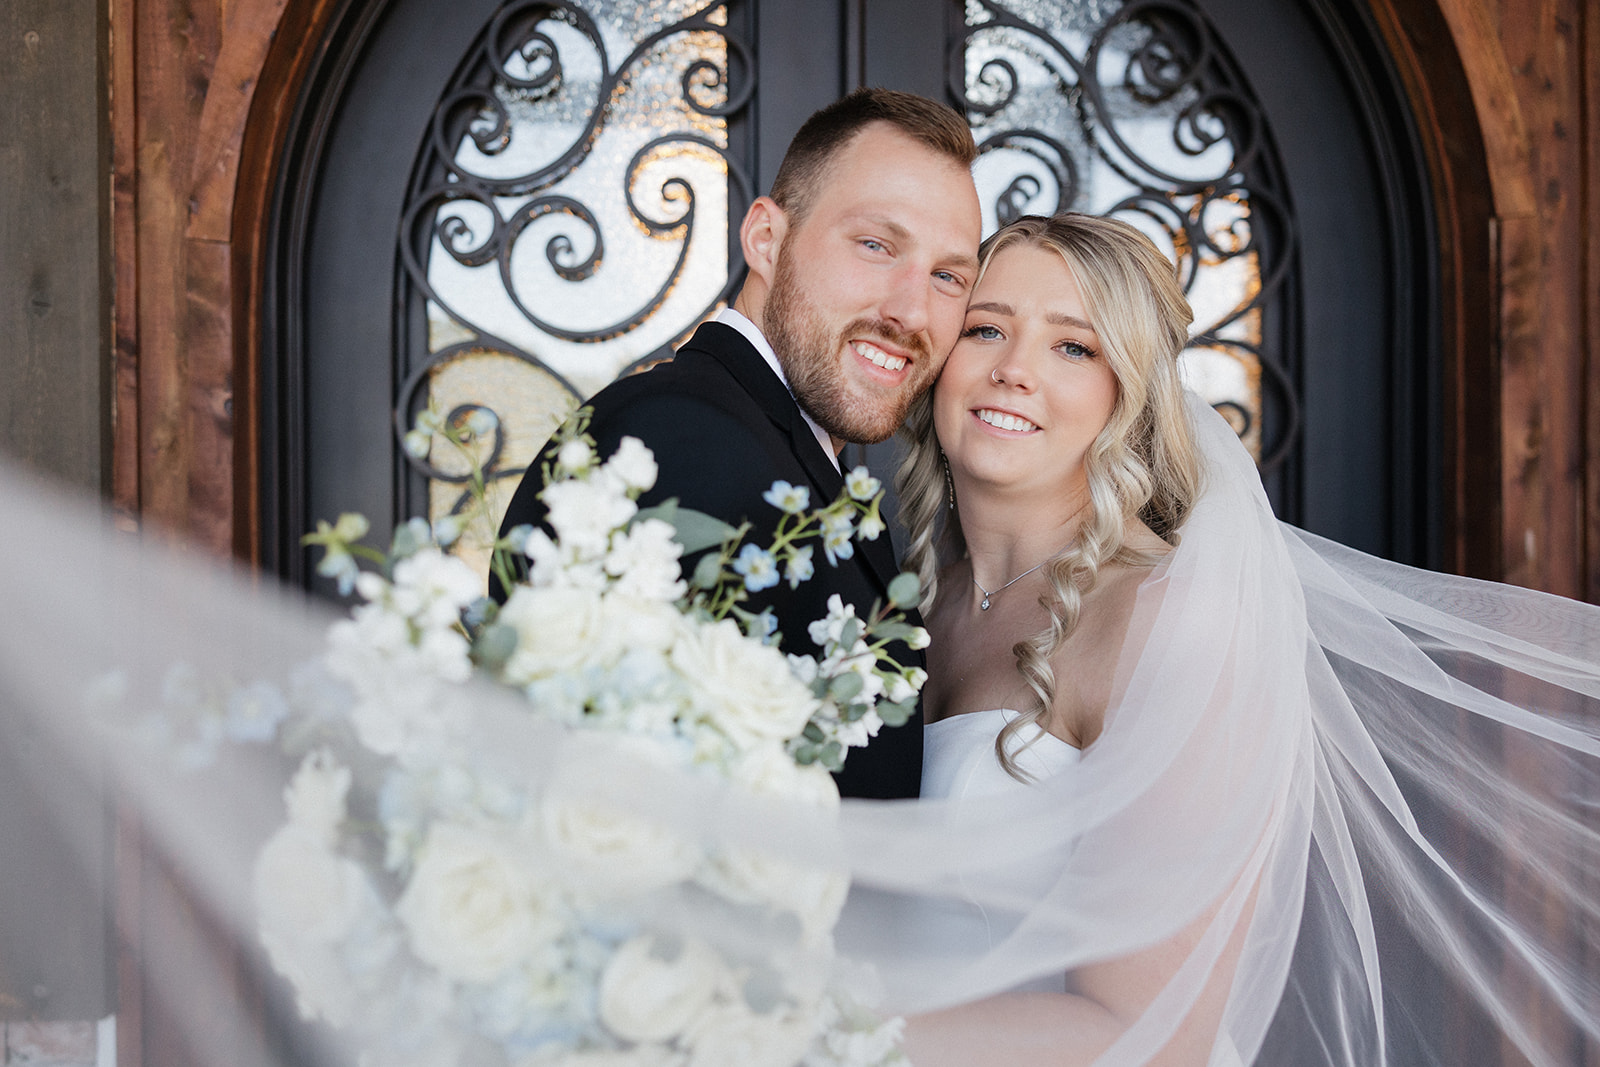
pixel 832 756
pixel 905 590
pixel 694 530
pixel 893 631
pixel 494 645
pixel 480 612
pixel 845 687
pixel 896 714
pixel 849 632
pixel 813 732
pixel 706 572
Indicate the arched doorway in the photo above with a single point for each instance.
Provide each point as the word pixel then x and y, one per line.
pixel 1340 315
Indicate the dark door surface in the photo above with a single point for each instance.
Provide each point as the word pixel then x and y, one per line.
pixel 503 205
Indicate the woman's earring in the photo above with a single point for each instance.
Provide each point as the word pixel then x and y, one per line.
pixel 949 482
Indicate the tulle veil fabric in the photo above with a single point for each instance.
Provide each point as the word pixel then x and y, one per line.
pixel 1355 805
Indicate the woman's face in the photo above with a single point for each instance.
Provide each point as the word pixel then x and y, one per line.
pixel 1027 389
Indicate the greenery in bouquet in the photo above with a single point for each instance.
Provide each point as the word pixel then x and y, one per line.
pixel 441 910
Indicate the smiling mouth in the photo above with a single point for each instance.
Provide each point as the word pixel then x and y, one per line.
pixel 877 356
pixel 1005 421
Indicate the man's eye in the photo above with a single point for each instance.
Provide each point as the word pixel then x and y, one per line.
pixel 872 246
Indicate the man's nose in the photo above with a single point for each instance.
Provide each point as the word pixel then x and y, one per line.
pixel 906 305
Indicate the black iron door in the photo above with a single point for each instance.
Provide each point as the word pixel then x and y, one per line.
pixel 502 205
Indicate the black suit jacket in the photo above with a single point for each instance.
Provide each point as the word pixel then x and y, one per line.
pixel 723 428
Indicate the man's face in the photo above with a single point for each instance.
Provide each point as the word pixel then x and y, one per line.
pixel 869 292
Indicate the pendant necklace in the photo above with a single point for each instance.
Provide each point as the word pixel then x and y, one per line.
pixel 987 594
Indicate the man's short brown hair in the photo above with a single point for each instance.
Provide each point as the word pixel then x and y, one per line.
pixel 805 165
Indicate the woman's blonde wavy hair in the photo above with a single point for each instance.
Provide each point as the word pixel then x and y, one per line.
pixel 1142 465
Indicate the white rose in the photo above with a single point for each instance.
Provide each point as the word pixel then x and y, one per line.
pixel 646 996
pixel 735 1034
pixel 744 689
pixel 473 908
pixel 315 797
pixel 608 852
pixel 558 630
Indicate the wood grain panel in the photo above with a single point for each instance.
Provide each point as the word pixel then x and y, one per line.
pixel 126 450
pixel 1542 315
pixel 1590 216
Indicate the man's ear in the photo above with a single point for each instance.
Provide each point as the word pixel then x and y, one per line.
pixel 761 237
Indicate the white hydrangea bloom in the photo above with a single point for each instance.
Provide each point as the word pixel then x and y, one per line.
pixel 584 512
pixel 632 465
pixel 644 561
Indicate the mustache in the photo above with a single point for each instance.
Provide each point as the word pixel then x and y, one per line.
pixel 878 330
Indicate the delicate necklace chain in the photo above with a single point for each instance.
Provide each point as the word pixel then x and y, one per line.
pixel 987 594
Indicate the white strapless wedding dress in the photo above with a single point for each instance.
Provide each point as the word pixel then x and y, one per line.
pixel 959 763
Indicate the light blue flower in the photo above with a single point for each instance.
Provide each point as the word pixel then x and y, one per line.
pixel 836 533
pixel 760 570
pixel 861 484
pixel 480 422
pixel 800 567
pixel 792 499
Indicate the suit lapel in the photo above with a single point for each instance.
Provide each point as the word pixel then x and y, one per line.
pixel 728 347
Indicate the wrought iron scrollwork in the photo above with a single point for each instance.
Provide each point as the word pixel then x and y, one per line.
pixel 488 194
pixel 1084 103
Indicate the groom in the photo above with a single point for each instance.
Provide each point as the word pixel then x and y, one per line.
pixel 860 265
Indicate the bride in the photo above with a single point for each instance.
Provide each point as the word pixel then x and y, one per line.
pixel 1198 733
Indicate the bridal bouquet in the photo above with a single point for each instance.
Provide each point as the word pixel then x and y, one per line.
pixel 442 911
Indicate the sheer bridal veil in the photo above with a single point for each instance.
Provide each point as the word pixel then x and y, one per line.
pixel 1342 811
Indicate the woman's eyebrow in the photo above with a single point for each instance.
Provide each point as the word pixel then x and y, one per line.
pixel 1054 318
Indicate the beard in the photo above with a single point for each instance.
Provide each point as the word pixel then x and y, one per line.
pixel 812 354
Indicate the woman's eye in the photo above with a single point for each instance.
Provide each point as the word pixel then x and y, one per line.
pixel 872 246
pixel 1076 350
pixel 983 332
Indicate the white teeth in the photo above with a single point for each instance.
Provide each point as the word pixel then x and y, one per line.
pixel 1005 421
pixel 880 357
